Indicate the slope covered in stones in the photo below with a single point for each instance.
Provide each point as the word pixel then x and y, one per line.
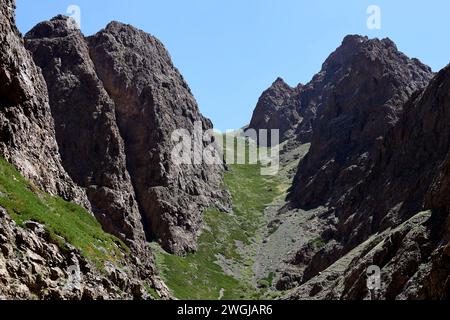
pixel 54 249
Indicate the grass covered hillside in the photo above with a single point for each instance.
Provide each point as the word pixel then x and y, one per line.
pixel 66 222
pixel 222 268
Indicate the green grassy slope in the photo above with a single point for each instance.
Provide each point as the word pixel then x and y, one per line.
pixel 65 221
pixel 222 266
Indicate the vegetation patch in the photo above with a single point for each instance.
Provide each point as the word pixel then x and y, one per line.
pixel 267 282
pixel 66 222
pixel 200 275
pixel 318 243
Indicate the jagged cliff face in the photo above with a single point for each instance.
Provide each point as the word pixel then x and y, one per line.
pixel 377 172
pixel 26 125
pixel 361 72
pixel 92 149
pixel 409 165
pixel 152 100
pixel 36 262
pixel 368 81
pixel 397 218
pixel 278 108
pixel 379 162
pixel 116 99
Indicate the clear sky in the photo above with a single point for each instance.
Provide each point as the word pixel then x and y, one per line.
pixel 229 51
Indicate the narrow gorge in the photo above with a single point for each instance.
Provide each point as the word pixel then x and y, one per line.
pixel 93 205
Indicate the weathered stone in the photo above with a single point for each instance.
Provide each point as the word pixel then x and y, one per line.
pixel 278 109
pixel 27 274
pixel 363 86
pixel 152 100
pixel 26 126
pixel 376 181
pixel 91 147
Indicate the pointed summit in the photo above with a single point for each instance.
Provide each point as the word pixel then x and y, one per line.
pixel 276 109
pixel 361 90
pixel 58 27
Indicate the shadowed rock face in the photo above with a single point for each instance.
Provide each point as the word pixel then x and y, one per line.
pixel 410 175
pixel 91 147
pixel 26 126
pixel 378 157
pixel 367 84
pixel 410 169
pixel 117 98
pixel 152 100
pixel 278 108
pixel 379 160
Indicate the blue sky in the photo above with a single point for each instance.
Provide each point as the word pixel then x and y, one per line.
pixel 229 51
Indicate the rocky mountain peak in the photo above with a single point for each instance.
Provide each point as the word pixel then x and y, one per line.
pixel 378 159
pixel 379 56
pixel 294 110
pixel 92 150
pixel 280 83
pixel 152 100
pixel 26 125
pixel 362 89
pixel 59 26
pixel 277 109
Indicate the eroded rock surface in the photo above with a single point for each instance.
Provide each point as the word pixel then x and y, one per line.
pixel 375 220
pixel 152 100
pixel 26 125
pixel 367 84
pixel 92 149
pixel 32 266
pixel 278 108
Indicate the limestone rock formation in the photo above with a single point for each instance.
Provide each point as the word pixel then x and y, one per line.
pixel 26 126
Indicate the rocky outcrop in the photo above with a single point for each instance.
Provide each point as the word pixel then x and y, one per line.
pixel 115 105
pixel 91 147
pixel 367 84
pixel 32 264
pixel 278 109
pixel 26 126
pixel 33 267
pixel 375 220
pixel 413 258
pixel 116 99
pixel 151 101
pixel 409 173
